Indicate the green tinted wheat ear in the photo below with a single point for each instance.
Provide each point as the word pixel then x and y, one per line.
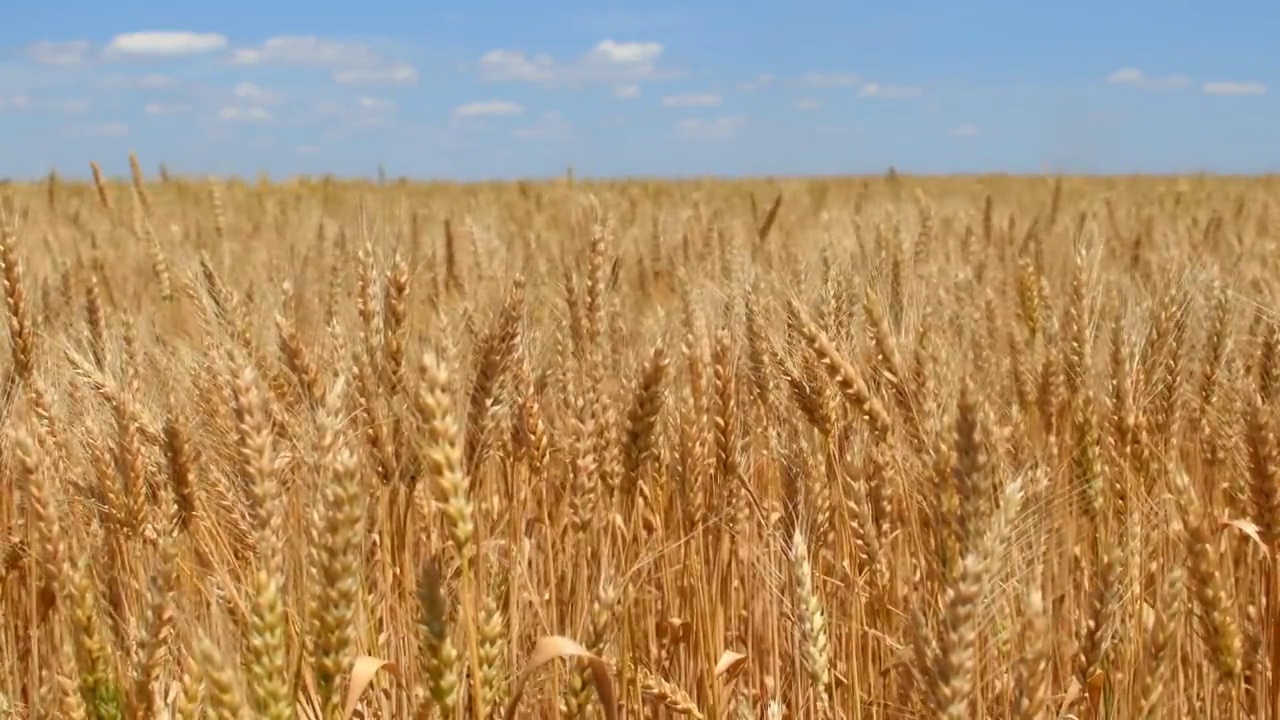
pixel 440 657
pixel 814 640
pixel 162 617
pixel 600 629
pixel 493 642
pixel 1161 629
pixel 338 559
pixel 442 453
pixel 267 663
pixel 98 687
pixel 450 485
pixel 187 703
pixel 224 693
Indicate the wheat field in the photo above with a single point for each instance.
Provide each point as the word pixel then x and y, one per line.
pixel 896 447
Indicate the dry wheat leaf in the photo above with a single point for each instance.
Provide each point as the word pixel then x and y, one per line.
pixel 729 662
pixel 362 674
pixel 1248 528
pixel 552 647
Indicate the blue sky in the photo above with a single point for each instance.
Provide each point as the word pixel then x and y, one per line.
pixel 504 89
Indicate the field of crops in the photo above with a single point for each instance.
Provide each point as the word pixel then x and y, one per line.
pixel 834 448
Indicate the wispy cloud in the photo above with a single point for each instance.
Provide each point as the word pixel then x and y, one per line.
pixel 305 50
pixel 830 80
pixel 305 150
pixel 692 100
pixel 156 108
pixel 610 63
pixel 350 63
pixel 400 74
pixel 757 83
pixel 237 113
pixel 721 128
pixel 74 106
pixel 153 81
pixel 73 52
pixel 372 103
pixel 551 127
pixel 1137 78
pixel 627 91
pixel 1234 88
pixel 890 91
pixel 255 94
pixel 106 129
pixel 164 43
pixel 964 131
pixel 808 104
pixel 489 108
pixel 14 102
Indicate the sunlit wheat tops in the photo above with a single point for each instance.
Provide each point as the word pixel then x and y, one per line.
pixel 794 449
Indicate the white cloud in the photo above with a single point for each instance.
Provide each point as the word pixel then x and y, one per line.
pixel 691 100
pixel 14 102
pixel 307 150
pixel 807 104
pixel 760 82
pixel 720 128
pixel 510 65
pixel 550 128
pixel 489 108
pixel 236 113
pixel 609 62
pixel 164 44
pixel 255 94
pixel 627 53
pixel 830 80
pixel 626 92
pixel 152 81
pixel 72 107
pixel 1234 88
pixel 965 130
pixel 350 63
pixel 155 108
pixel 306 50
pixel 59 53
pixel 372 103
pixel 1137 78
pixel 401 74
pixel 890 91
